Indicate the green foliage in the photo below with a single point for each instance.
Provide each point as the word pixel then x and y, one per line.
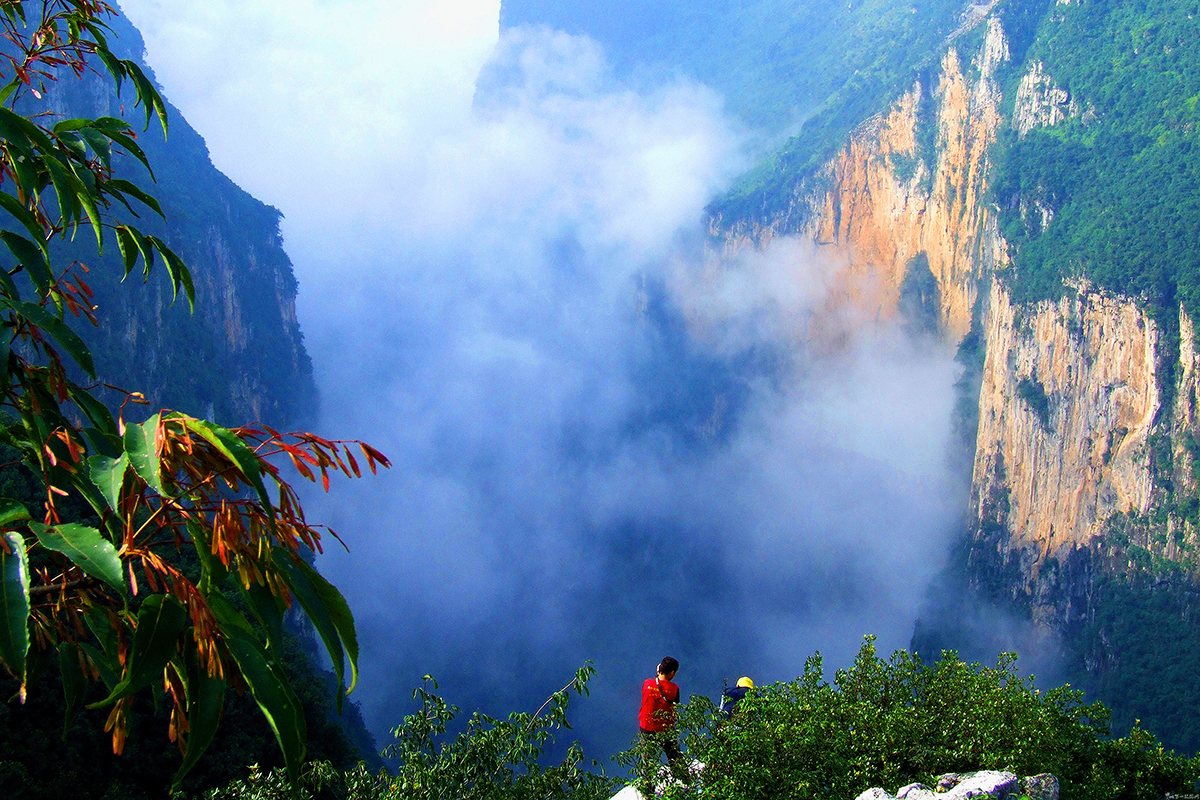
pixel 492 758
pixel 887 46
pixel 822 68
pixel 1119 178
pixel 1139 648
pixel 489 759
pixel 881 722
pixel 176 501
pixel 319 780
pixel 777 62
pixel 1034 394
pixel 896 721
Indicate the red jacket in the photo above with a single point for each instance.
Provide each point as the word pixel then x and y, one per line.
pixel 658 705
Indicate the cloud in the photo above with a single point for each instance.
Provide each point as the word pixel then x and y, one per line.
pixel 610 439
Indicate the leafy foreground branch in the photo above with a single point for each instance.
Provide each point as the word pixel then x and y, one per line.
pixel 162 556
pixel 883 723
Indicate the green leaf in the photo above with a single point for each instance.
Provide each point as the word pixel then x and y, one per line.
pixel 329 613
pixel 88 200
pixel 147 95
pixel 96 412
pixel 74 682
pixel 101 626
pixel 87 548
pixel 125 187
pixel 176 270
pixel 70 125
pixel 212 571
pixel 141 445
pixel 104 665
pixel 32 258
pixel 102 442
pixel 14 604
pixel 21 162
pixel 120 137
pixel 23 215
pixel 233 448
pixel 7 287
pixel 273 695
pixel 227 613
pixel 11 86
pixel 206 698
pixel 268 608
pixel 160 621
pixel 74 145
pixel 13 130
pixel 11 511
pixel 66 187
pixel 109 475
pixel 58 331
pixel 5 351
pixel 113 65
pixel 130 247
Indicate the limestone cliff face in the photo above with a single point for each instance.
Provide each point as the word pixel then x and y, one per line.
pixel 878 221
pixel 1070 402
pixel 1067 407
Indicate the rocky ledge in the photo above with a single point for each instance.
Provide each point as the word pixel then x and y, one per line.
pixel 992 783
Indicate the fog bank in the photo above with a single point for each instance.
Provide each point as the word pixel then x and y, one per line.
pixel 610 441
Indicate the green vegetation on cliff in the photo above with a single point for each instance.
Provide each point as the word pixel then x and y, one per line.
pixel 891 722
pixel 777 62
pixel 1117 180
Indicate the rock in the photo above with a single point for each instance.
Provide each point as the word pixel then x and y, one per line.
pixel 875 794
pixel 1040 787
pixel 990 782
pixel 916 791
pixel 948 781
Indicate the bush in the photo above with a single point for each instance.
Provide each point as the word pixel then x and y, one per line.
pixel 881 722
pixel 892 722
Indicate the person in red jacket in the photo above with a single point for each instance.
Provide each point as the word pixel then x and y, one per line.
pixel 657 721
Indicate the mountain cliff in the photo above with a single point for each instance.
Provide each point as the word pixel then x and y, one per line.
pixel 240 357
pixel 1082 514
pixel 1030 169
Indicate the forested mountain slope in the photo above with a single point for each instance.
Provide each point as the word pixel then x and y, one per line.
pixel 777 63
pixel 1035 161
pixel 240 357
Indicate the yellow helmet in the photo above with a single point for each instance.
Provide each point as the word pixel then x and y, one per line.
pixel 745 682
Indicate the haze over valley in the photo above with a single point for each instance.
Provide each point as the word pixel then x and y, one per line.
pixel 610 438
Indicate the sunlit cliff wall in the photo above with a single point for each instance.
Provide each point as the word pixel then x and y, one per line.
pixel 1070 402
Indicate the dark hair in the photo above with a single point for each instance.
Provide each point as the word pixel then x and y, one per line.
pixel 668 665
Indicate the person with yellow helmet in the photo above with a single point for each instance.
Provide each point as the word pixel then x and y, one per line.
pixel 731 697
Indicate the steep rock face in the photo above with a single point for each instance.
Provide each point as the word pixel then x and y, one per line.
pixel 1067 407
pixel 1070 396
pixel 240 356
pixel 882 201
pixel 1040 102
